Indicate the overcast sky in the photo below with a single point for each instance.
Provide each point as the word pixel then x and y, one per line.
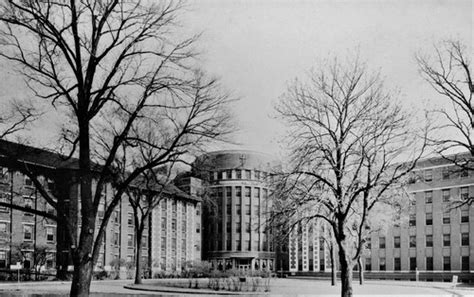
pixel 258 47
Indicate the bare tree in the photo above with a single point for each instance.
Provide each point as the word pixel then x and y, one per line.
pixel 448 71
pixel 145 194
pixel 347 137
pixel 113 64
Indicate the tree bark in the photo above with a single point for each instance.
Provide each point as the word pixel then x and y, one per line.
pixel 138 264
pixel 81 279
pixel 361 271
pixel 346 273
pixel 83 257
pixel 333 265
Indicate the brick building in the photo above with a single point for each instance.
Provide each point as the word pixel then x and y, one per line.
pixel 58 175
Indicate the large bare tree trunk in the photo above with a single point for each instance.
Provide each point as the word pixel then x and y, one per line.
pixel 361 271
pixel 81 279
pixel 83 257
pixel 346 273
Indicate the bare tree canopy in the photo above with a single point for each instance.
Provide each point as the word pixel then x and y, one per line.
pixel 347 137
pixel 448 70
pixel 126 82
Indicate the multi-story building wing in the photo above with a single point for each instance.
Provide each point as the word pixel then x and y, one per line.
pixel 434 238
pixel 235 233
pixel 59 176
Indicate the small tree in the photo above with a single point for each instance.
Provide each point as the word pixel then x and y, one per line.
pixel 347 138
pixel 25 251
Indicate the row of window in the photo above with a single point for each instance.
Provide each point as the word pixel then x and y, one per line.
pixel 28 202
pixel 446 174
pixel 4 178
pixel 446 195
pixel 446 218
pixel 413 263
pixel 247 246
pixel 428 241
pixel 28 232
pixel 239 174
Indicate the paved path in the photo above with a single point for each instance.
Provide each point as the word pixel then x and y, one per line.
pixel 279 287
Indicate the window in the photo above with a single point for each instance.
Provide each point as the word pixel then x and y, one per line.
pixel 247 209
pixel 446 195
pixel 163 224
pixel 145 241
pixel 238 174
pixel 116 238
pixel 238 193
pixel 464 193
pixel 465 263
pixel 130 240
pixel 27 232
pixel 446 218
pixel 228 174
pixel 198 210
pixel 247 227
pixel 248 174
pixel 412 220
pixel 198 228
pixel 211 175
pixel 238 245
pixel 413 200
pixel 50 210
pixel 130 219
pixel 116 216
pixel 368 243
pixel 429 240
pixel 429 263
pixel 412 264
pixel 50 234
pixel 220 175
pixel 4 198
pixel 100 210
pixel 412 241
pixel 3 227
pixel 382 264
pixel 446 173
pixel 464 238
pixel 397 264
pixel 396 242
pixel 446 240
pixel 428 175
pixel 163 244
pixel 464 216
pixel 247 245
pixel 228 244
pixel 238 209
pixel 428 197
pixel 382 242
pixel 429 219
pixel 238 228
pixel 173 224
pixel 368 264
pixel 28 203
pixel 28 182
pixel 446 263
pixel 3 259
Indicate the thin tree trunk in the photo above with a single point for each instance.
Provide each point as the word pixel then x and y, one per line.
pixel 333 265
pixel 361 271
pixel 138 262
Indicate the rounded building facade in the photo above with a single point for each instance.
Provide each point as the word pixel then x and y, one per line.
pixel 237 208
